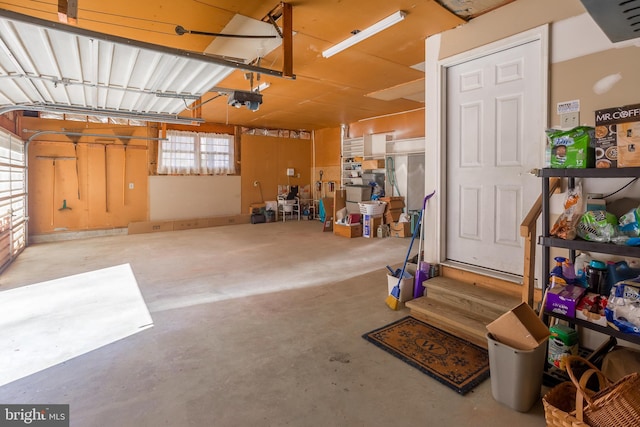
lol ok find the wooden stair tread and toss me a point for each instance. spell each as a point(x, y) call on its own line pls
point(494, 300)
point(461, 308)
point(445, 314)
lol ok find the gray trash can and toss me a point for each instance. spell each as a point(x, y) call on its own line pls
point(516, 375)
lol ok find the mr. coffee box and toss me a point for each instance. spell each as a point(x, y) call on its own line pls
point(618, 137)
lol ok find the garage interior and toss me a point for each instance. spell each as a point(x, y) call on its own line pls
point(245, 323)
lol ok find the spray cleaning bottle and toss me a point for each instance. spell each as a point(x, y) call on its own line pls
point(563, 273)
point(568, 271)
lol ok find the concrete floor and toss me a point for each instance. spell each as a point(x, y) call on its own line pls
point(254, 325)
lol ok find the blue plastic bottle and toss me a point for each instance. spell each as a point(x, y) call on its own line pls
point(580, 267)
point(617, 272)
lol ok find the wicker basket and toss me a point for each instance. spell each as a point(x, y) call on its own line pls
point(559, 403)
point(615, 405)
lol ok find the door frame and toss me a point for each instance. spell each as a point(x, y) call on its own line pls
point(436, 124)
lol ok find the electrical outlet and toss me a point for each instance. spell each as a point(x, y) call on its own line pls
point(569, 120)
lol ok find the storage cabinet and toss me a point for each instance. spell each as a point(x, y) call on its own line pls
point(547, 242)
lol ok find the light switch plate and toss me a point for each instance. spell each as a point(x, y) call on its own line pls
point(569, 120)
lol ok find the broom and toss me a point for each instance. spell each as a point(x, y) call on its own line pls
point(393, 300)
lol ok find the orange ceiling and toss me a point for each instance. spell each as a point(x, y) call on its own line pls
point(327, 91)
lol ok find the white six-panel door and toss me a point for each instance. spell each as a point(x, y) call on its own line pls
point(493, 134)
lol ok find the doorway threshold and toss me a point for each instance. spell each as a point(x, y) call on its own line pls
point(500, 275)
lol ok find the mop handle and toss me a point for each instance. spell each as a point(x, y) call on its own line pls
point(424, 204)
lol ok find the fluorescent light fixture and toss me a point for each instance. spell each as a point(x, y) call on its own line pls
point(365, 34)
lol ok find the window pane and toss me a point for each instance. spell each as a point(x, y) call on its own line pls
point(196, 153)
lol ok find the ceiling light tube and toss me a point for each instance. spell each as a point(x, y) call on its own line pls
point(365, 34)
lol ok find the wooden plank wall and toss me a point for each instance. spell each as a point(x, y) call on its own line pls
point(101, 183)
point(265, 159)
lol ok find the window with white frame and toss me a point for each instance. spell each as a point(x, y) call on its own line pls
point(196, 153)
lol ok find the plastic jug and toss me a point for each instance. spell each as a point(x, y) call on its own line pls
point(617, 272)
point(562, 343)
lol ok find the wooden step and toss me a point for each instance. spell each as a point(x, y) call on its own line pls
point(480, 301)
point(461, 323)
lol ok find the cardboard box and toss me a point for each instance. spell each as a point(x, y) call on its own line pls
point(188, 224)
point(396, 202)
point(370, 225)
point(520, 328)
point(149, 227)
point(327, 206)
point(617, 137)
point(358, 193)
point(344, 230)
point(339, 201)
point(392, 215)
point(606, 147)
point(400, 229)
point(352, 207)
point(373, 164)
point(218, 221)
point(564, 299)
point(628, 144)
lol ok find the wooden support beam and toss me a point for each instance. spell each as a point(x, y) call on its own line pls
point(68, 11)
point(287, 41)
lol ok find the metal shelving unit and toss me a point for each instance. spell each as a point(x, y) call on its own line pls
point(547, 242)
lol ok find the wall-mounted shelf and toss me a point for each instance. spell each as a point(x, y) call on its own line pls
point(583, 245)
point(352, 148)
point(590, 173)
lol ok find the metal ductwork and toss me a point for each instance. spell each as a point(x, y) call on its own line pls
point(618, 19)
